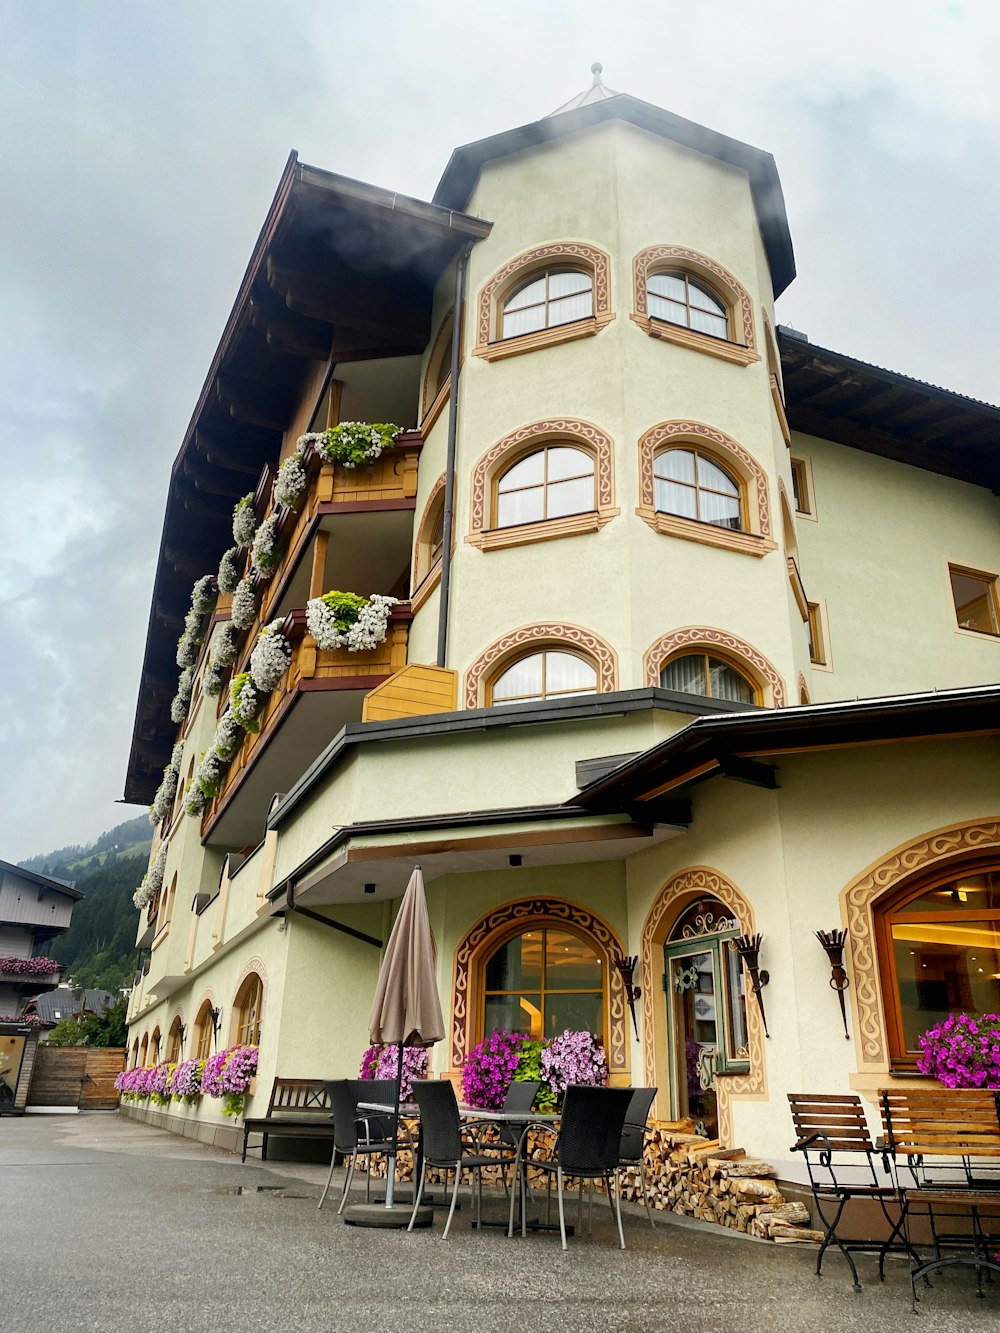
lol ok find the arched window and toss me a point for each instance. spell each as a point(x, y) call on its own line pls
point(542, 982)
point(437, 377)
point(135, 1053)
point(552, 297)
point(144, 1050)
point(678, 298)
point(203, 1032)
point(168, 904)
point(551, 674)
point(154, 1047)
point(939, 953)
point(691, 484)
point(551, 482)
point(247, 1006)
point(714, 677)
point(175, 1040)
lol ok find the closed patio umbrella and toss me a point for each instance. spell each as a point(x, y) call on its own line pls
point(407, 1008)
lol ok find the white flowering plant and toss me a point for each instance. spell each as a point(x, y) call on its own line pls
point(271, 657)
point(163, 801)
point(345, 620)
point(264, 553)
point(244, 604)
point(244, 521)
point(226, 644)
point(181, 700)
point(213, 680)
point(187, 649)
point(291, 483)
point(195, 800)
point(228, 736)
point(152, 880)
point(245, 701)
point(229, 570)
point(352, 443)
point(208, 773)
point(203, 596)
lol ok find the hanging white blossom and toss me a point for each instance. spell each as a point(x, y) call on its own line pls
point(229, 570)
point(334, 622)
point(203, 596)
point(225, 645)
point(264, 552)
point(187, 650)
point(291, 483)
point(271, 656)
point(195, 799)
point(208, 773)
point(177, 756)
point(246, 701)
point(244, 521)
point(353, 443)
point(244, 604)
point(178, 709)
point(213, 679)
point(228, 736)
point(152, 880)
point(185, 688)
point(163, 801)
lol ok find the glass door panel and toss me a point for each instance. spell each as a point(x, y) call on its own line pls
point(695, 1025)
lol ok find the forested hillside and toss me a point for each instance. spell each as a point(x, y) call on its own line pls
point(99, 947)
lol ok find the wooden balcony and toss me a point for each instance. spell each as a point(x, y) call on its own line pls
point(320, 692)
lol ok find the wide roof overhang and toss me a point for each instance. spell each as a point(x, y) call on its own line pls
point(747, 746)
point(838, 397)
point(341, 271)
point(465, 164)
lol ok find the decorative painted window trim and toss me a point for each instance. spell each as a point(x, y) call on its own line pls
point(951, 844)
point(431, 408)
point(804, 699)
point(546, 634)
point(703, 637)
point(801, 464)
point(754, 501)
point(658, 257)
point(668, 905)
point(818, 623)
point(492, 347)
point(428, 575)
point(489, 931)
point(580, 434)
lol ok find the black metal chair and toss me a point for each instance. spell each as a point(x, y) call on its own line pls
point(634, 1139)
point(443, 1146)
point(587, 1147)
point(358, 1135)
point(843, 1165)
point(520, 1097)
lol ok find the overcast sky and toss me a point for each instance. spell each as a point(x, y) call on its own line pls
point(140, 145)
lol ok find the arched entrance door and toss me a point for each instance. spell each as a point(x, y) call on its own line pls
point(706, 1010)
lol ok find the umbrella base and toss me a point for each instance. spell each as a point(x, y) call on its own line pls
point(377, 1215)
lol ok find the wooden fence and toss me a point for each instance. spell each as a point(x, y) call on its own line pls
point(82, 1076)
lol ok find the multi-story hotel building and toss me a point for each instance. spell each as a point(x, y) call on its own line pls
point(696, 637)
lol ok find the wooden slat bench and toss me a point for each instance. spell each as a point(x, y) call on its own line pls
point(299, 1109)
point(946, 1146)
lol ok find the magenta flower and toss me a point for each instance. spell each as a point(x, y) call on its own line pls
point(963, 1051)
point(490, 1068)
point(383, 1062)
point(575, 1057)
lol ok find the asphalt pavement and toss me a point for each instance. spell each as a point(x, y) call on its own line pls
point(111, 1226)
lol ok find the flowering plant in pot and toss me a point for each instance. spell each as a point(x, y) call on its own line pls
point(352, 443)
point(291, 483)
point(185, 1082)
point(152, 880)
point(574, 1057)
point(264, 553)
point(245, 701)
point(28, 967)
point(244, 609)
point(963, 1051)
point(182, 699)
point(271, 657)
point(383, 1062)
point(244, 521)
point(227, 1074)
point(226, 643)
point(346, 620)
point(229, 570)
point(159, 1084)
point(163, 801)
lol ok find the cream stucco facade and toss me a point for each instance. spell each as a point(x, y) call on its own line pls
point(772, 811)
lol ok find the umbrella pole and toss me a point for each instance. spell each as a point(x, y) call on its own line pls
point(391, 1173)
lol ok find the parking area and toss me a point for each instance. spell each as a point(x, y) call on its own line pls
point(110, 1225)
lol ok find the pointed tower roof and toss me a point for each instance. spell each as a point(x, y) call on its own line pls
point(597, 92)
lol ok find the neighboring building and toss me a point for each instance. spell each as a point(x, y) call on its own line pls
point(718, 654)
point(68, 1002)
point(34, 909)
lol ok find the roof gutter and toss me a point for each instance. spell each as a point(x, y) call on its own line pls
point(449, 467)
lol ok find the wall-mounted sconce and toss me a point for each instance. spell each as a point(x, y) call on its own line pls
point(625, 967)
point(748, 948)
point(216, 1022)
point(182, 1032)
point(833, 942)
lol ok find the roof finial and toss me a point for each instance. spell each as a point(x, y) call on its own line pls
point(597, 69)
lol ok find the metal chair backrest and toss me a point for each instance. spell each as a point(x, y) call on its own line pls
point(380, 1091)
point(440, 1121)
point(345, 1131)
point(519, 1097)
point(832, 1133)
point(636, 1119)
point(590, 1133)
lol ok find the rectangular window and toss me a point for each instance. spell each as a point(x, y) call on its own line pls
point(817, 639)
point(975, 598)
point(801, 489)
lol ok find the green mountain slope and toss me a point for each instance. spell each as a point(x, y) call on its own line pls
point(99, 947)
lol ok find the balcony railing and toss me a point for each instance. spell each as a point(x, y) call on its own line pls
point(313, 669)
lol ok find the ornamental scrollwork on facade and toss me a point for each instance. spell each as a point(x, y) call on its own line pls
point(660, 256)
point(704, 636)
point(728, 448)
point(595, 261)
point(595, 647)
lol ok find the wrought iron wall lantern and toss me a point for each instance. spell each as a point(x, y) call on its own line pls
point(216, 1022)
point(833, 942)
point(748, 948)
point(625, 966)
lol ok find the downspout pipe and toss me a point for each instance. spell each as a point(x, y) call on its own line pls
point(449, 474)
